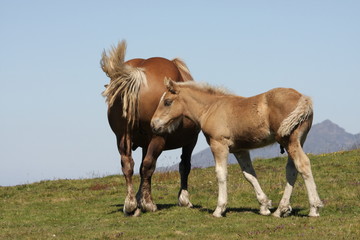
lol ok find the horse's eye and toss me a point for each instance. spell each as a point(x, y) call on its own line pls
point(167, 102)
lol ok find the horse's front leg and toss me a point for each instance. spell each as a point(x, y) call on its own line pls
point(154, 149)
point(220, 152)
point(184, 169)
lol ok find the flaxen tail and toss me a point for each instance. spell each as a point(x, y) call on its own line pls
point(184, 70)
point(125, 81)
point(302, 112)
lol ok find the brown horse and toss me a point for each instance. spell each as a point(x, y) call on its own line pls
point(236, 124)
point(132, 95)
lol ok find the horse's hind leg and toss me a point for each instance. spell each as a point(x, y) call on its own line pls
point(284, 208)
point(147, 168)
point(184, 169)
point(127, 163)
point(245, 163)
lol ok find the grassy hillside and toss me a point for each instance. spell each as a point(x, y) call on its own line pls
point(92, 209)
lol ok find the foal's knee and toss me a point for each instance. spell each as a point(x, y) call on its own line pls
point(221, 175)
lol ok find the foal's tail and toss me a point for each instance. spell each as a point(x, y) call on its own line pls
point(183, 69)
point(125, 81)
point(302, 112)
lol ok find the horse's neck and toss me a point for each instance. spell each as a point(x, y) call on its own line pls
point(197, 104)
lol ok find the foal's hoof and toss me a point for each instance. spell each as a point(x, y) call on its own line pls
point(265, 212)
point(264, 208)
point(219, 212)
point(314, 211)
point(314, 214)
point(282, 211)
point(218, 215)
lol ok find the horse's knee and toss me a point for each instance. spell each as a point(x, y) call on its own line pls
point(127, 164)
point(148, 167)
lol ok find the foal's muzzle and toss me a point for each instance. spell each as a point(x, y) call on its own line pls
point(156, 126)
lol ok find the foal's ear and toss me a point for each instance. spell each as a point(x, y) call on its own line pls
point(170, 85)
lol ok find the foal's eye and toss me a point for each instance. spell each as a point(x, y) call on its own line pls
point(167, 102)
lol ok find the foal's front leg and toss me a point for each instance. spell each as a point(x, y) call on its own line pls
point(220, 152)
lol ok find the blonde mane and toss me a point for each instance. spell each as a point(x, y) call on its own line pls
point(205, 87)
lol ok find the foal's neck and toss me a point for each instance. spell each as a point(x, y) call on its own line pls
point(198, 103)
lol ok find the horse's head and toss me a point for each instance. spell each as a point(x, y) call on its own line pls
point(169, 113)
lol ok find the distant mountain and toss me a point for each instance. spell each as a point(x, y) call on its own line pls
point(324, 137)
point(328, 137)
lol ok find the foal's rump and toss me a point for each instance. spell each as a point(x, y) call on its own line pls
point(288, 108)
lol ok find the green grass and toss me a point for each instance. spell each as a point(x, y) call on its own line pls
point(92, 209)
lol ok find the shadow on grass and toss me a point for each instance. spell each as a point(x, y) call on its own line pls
point(295, 211)
point(228, 210)
point(160, 207)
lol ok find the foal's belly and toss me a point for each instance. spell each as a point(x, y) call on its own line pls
point(251, 142)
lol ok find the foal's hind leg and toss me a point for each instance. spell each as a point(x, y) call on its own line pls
point(147, 168)
point(284, 208)
point(184, 169)
point(302, 164)
point(245, 163)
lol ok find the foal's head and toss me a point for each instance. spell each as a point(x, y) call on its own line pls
point(169, 113)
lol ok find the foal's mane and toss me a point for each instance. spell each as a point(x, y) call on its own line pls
point(206, 88)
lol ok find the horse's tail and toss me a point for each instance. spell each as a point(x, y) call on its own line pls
point(302, 112)
point(183, 69)
point(125, 81)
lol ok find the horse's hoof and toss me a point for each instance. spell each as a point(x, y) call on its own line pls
point(148, 206)
point(184, 199)
point(137, 212)
point(130, 206)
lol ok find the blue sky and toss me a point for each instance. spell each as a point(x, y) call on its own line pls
point(53, 118)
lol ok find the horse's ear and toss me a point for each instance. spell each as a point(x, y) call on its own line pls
point(170, 85)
